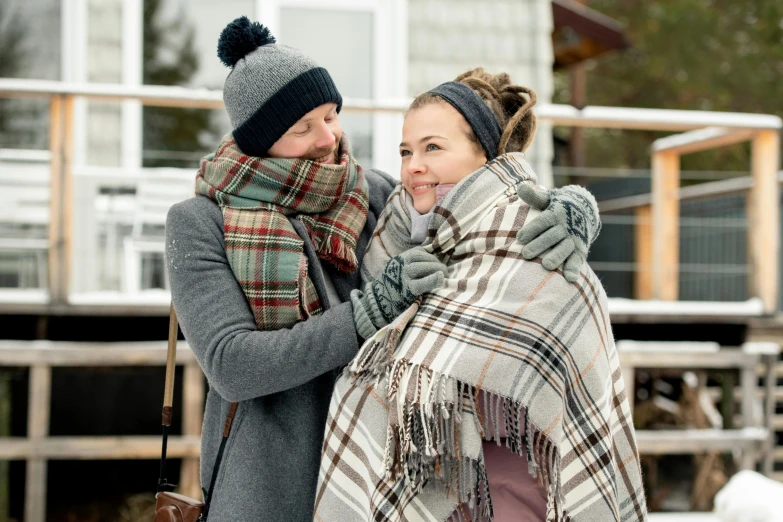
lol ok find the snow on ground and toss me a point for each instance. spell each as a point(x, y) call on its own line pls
point(750, 497)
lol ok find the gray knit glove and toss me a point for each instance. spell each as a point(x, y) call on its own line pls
point(404, 278)
point(565, 229)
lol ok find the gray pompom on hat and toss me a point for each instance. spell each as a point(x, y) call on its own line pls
point(270, 86)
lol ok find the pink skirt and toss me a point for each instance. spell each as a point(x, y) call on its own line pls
point(516, 495)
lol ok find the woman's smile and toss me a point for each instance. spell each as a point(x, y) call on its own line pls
point(419, 187)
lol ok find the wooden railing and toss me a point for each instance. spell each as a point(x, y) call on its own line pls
point(658, 242)
point(657, 233)
point(656, 262)
point(39, 447)
point(753, 438)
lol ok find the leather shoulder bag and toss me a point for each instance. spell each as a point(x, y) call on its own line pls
point(170, 506)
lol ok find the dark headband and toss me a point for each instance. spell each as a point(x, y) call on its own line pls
point(479, 116)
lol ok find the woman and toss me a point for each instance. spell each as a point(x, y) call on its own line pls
point(504, 351)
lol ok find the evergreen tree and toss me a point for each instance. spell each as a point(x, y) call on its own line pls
point(12, 55)
point(717, 55)
point(170, 58)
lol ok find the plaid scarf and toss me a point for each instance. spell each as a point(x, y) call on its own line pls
point(404, 435)
point(265, 253)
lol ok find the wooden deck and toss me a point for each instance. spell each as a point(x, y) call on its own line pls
point(684, 517)
point(38, 448)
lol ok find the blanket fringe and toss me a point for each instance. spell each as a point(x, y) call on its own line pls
point(423, 436)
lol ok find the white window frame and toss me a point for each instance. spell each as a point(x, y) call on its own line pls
point(73, 61)
point(74, 34)
point(390, 62)
point(132, 75)
point(389, 82)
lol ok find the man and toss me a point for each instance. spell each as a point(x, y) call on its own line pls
point(263, 263)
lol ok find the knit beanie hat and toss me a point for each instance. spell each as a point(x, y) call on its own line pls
point(270, 86)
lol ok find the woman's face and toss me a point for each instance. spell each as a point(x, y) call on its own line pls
point(435, 150)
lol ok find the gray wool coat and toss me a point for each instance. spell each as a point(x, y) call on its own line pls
point(282, 378)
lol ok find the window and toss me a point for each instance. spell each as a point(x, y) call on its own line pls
point(340, 41)
point(363, 45)
point(30, 46)
point(179, 48)
point(30, 49)
point(118, 247)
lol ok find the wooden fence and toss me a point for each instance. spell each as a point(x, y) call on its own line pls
point(38, 447)
point(752, 437)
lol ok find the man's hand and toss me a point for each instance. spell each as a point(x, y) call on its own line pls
point(565, 229)
point(404, 278)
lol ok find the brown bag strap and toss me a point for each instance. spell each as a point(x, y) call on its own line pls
point(171, 358)
point(168, 399)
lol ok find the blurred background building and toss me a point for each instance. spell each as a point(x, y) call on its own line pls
point(375, 49)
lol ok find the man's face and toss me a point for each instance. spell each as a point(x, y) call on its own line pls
point(316, 137)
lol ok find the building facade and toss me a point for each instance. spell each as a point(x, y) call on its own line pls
point(378, 50)
point(375, 49)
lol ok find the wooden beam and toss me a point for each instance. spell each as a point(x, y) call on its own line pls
point(556, 114)
point(686, 361)
point(61, 196)
point(684, 517)
point(652, 119)
point(688, 441)
point(701, 139)
point(685, 355)
point(710, 190)
point(629, 380)
point(5, 431)
point(770, 392)
point(748, 384)
point(98, 448)
point(578, 83)
point(56, 140)
point(37, 429)
point(192, 417)
point(665, 225)
point(62, 353)
point(643, 248)
point(763, 210)
point(11, 305)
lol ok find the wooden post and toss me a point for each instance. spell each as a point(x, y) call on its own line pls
point(665, 224)
point(629, 379)
point(769, 412)
point(643, 246)
point(748, 385)
point(5, 431)
point(192, 417)
point(61, 196)
point(578, 83)
point(37, 430)
point(763, 210)
point(727, 406)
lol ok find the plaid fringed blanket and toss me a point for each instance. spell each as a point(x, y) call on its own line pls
point(404, 433)
point(265, 253)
